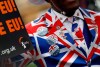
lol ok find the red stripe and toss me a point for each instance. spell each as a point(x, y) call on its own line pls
point(64, 43)
point(98, 23)
point(98, 51)
point(48, 17)
point(91, 53)
point(65, 60)
point(92, 12)
point(28, 26)
point(32, 52)
point(79, 33)
point(76, 43)
point(88, 20)
point(26, 61)
point(32, 29)
point(41, 63)
point(54, 28)
point(43, 19)
point(37, 53)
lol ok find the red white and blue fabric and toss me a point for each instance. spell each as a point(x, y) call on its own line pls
point(22, 60)
point(70, 54)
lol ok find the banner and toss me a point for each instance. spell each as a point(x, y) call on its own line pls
point(13, 36)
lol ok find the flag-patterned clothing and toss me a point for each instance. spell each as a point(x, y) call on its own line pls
point(70, 51)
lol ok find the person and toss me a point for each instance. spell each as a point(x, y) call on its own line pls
point(65, 36)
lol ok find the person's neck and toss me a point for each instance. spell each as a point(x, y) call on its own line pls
point(68, 13)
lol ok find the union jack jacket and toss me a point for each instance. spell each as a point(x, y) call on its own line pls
point(52, 48)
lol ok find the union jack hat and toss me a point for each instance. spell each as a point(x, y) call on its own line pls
point(38, 2)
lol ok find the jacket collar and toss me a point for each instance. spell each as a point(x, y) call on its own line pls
point(52, 16)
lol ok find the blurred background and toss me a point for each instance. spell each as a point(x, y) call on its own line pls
point(29, 11)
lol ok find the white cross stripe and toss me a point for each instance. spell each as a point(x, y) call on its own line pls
point(62, 59)
point(48, 54)
point(38, 49)
point(71, 60)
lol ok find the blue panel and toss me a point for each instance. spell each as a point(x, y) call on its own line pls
point(69, 38)
point(53, 61)
point(79, 62)
point(95, 60)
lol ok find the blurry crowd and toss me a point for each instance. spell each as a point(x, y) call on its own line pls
point(90, 4)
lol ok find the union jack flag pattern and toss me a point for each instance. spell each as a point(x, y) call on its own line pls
point(69, 53)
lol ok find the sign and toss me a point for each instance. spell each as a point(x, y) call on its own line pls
point(13, 36)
